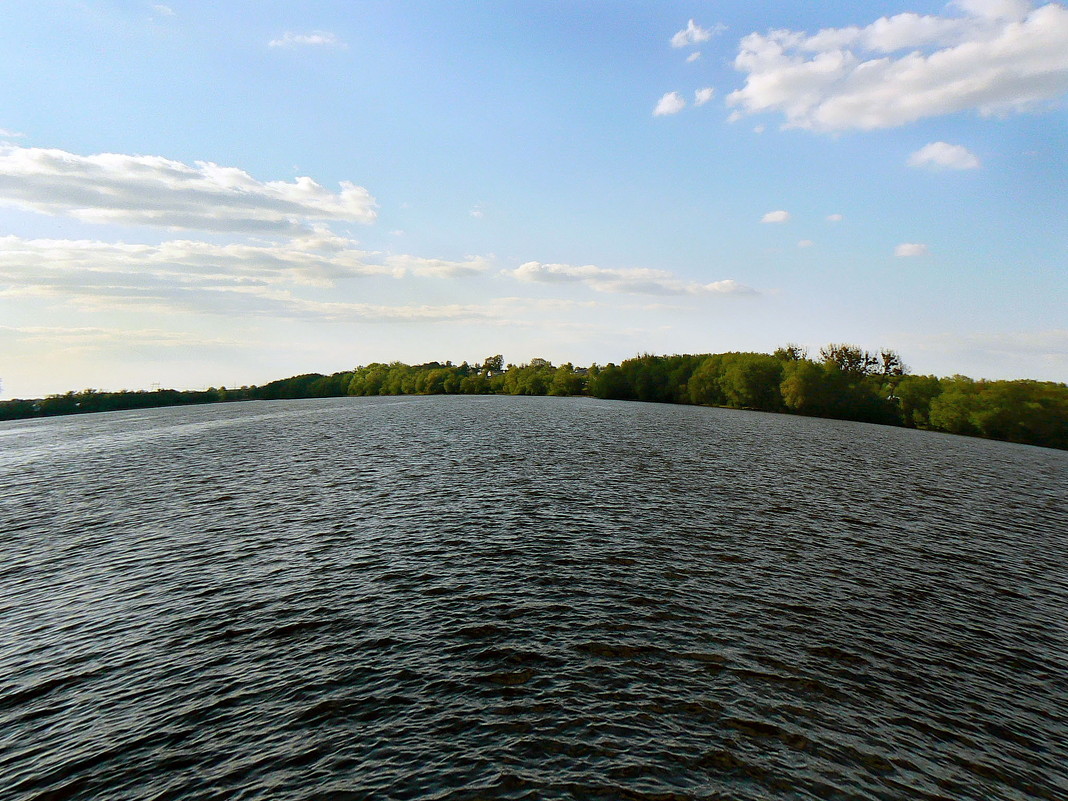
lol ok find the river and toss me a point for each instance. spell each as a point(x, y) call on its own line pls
point(512, 598)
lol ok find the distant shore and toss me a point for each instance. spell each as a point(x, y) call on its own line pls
point(844, 383)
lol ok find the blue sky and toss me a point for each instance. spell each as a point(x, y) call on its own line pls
point(197, 194)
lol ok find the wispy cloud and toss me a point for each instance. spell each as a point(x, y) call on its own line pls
point(202, 278)
point(997, 56)
point(834, 218)
point(291, 39)
point(670, 103)
point(6, 134)
point(107, 338)
point(694, 34)
point(634, 281)
point(206, 278)
point(162, 10)
point(694, 56)
point(159, 192)
point(944, 155)
point(1041, 354)
point(439, 268)
point(370, 312)
point(779, 216)
point(320, 260)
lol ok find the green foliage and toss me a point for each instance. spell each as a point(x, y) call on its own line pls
point(298, 386)
point(790, 353)
point(529, 379)
point(567, 382)
point(704, 386)
point(610, 383)
point(952, 409)
point(915, 393)
point(805, 389)
point(751, 381)
point(848, 359)
point(738, 380)
point(858, 385)
point(18, 409)
point(91, 400)
point(1030, 412)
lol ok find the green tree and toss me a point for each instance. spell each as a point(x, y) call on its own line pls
point(610, 382)
point(790, 353)
point(915, 393)
point(953, 409)
point(566, 381)
point(751, 381)
point(804, 388)
point(705, 387)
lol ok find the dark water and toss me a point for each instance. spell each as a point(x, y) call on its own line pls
point(483, 598)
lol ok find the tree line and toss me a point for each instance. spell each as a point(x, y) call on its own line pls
point(843, 382)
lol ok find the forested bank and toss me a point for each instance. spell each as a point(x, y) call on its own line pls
point(842, 382)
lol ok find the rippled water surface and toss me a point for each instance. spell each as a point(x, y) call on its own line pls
point(490, 598)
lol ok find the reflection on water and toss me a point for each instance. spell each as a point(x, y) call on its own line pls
point(465, 598)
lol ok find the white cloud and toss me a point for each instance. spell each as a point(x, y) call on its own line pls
point(694, 56)
point(834, 218)
point(694, 34)
point(805, 243)
point(202, 277)
point(162, 10)
point(775, 217)
point(313, 39)
point(943, 154)
point(477, 212)
point(997, 57)
point(634, 281)
point(908, 249)
point(155, 191)
point(670, 103)
point(318, 260)
point(702, 96)
point(6, 134)
point(438, 268)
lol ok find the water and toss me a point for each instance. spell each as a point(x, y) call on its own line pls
point(498, 598)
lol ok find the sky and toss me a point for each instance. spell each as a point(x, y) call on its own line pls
point(199, 194)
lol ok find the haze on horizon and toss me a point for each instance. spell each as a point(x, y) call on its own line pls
point(197, 194)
